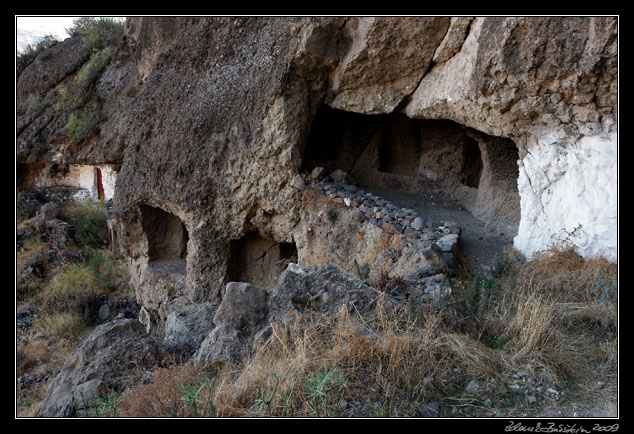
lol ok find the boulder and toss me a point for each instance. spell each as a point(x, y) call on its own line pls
point(100, 363)
point(321, 288)
point(186, 328)
point(247, 311)
point(239, 317)
point(342, 177)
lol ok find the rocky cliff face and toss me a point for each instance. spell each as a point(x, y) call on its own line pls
point(215, 123)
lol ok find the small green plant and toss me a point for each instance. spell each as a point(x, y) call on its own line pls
point(488, 286)
point(467, 300)
point(36, 104)
point(324, 391)
point(82, 125)
point(331, 215)
point(264, 399)
point(75, 94)
point(191, 397)
point(102, 406)
point(275, 405)
point(285, 407)
point(111, 273)
point(78, 279)
point(23, 210)
point(64, 95)
point(68, 325)
point(90, 221)
point(381, 409)
point(74, 291)
point(363, 271)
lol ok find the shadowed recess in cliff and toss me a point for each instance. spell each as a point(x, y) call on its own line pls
point(393, 152)
point(259, 260)
point(166, 237)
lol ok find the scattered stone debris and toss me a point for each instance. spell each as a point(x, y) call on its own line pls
point(387, 216)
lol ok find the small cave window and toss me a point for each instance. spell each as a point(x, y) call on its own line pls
point(166, 235)
point(471, 164)
point(259, 260)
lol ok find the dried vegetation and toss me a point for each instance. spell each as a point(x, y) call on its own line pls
point(541, 318)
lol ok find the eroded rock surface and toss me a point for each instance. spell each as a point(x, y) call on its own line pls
point(99, 365)
point(207, 121)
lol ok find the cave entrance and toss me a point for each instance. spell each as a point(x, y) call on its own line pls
point(394, 151)
point(439, 168)
point(259, 260)
point(167, 238)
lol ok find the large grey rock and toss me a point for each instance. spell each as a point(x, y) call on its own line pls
point(186, 328)
point(239, 317)
point(100, 363)
point(320, 288)
point(247, 311)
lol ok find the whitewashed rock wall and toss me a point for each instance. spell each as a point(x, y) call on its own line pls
point(82, 177)
point(569, 194)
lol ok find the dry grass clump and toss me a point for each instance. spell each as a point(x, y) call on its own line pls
point(391, 363)
point(161, 397)
point(352, 365)
point(564, 275)
point(554, 312)
point(315, 365)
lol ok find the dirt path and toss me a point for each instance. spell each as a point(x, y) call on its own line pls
point(480, 248)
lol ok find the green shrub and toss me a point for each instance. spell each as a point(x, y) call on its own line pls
point(98, 32)
point(93, 68)
point(75, 291)
point(74, 283)
point(467, 298)
point(61, 324)
point(101, 406)
point(363, 271)
point(90, 221)
point(81, 126)
point(23, 210)
point(111, 273)
point(75, 94)
point(36, 104)
point(324, 391)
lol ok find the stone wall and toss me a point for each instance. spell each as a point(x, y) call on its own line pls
point(348, 226)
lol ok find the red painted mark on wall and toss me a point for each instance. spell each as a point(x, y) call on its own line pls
point(100, 193)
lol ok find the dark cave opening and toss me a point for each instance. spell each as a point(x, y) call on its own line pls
point(472, 165)
point(258, 260)
point(393, 152)
point(166, 234)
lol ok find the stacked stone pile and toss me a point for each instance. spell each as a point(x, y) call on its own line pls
point(385, 215)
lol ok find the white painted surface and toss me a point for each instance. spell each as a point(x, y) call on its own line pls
point(84, 177)
point(109, 179)
point(564, 187)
